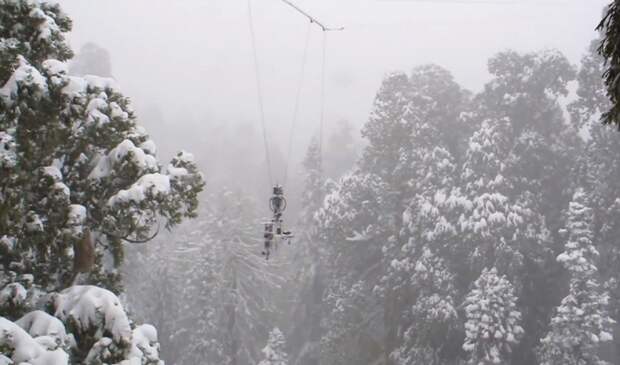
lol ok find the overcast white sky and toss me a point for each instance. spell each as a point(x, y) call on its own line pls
point(193, 59)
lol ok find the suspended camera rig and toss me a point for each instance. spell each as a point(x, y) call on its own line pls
point(274, 232)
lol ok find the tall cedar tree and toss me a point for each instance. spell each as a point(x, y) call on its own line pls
point(74, 161)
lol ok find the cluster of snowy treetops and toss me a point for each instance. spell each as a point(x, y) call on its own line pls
point(473, 229)
point(79, 180)
point(477, 228)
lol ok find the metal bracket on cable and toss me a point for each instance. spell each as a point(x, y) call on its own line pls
point(313, 19)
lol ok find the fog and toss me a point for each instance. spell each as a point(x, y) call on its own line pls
point(460, 205)
point(192, 59)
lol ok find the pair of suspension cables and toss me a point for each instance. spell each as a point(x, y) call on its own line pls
point(325, 29)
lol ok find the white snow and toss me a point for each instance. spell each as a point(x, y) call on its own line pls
point(144, 344)
point(34, 223)
point(102, 83)
point(185, 156)
point(7, 242)
point(117, 112)
point(53, 172)
point(79, 86)
point(8, 157)
point(13, 293)
point(47, 25)
point(55, 67)
point(149, 184)
point(176, 171)
point(39, 323)
point(27, 350)
point(25, 75)
point(91, 306)
point(76, 86)
point(77, 215)
point(105, 164)
point(62, 188)
point(148, 146)
point(96, 109)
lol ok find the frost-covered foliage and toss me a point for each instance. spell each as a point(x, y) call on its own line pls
point(599, 173)
point(449, 185)
point(79, 179)
point(494, 225)
point(307, 278)
point(230, 293)
point(492, 329)
point(275, 351)
point(18, 346)
point(433, 317)
point(74, 159)
point(581, 322)
point(453, 183)
point(87, 325)
point(313, 192)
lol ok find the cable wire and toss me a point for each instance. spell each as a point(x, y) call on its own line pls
point(297, 102)
point(259, 91)
point(322, 118)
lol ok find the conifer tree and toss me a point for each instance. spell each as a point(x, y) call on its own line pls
point(275, 351)
point(388, 127)
point(308, 276)
point(354, 225)
point(599, 171)
point(493, 327)
point(494, 225)
point(313, 193)
point(581, 323)
point(78, 181)
point(609, 51)
point(433, 317)
point(75, 162)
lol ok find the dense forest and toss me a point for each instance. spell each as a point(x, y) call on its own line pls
point(471, 228)
point(455, 227)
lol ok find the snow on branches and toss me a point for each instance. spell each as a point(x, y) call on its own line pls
point(86, 322)
point(493, 326)
point(74, 158)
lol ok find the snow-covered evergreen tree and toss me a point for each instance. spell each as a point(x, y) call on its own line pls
point(275, 351)
point(581, 323)
point(230, 293)
point(78, 180)
point(82, 325)
point(313, 193)
point(75, 161)
point(307, 263)
point(493, 328)
point(341, 147)
point(388, 127)
point(353, 224)
point(433, 317)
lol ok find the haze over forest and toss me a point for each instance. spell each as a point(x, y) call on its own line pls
point(192, 61)
point(223, 182)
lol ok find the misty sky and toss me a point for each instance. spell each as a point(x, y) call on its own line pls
point(192, 58)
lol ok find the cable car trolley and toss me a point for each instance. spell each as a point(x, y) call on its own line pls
point(274, 232)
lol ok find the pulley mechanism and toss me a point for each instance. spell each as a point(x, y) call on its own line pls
point(274, 233)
